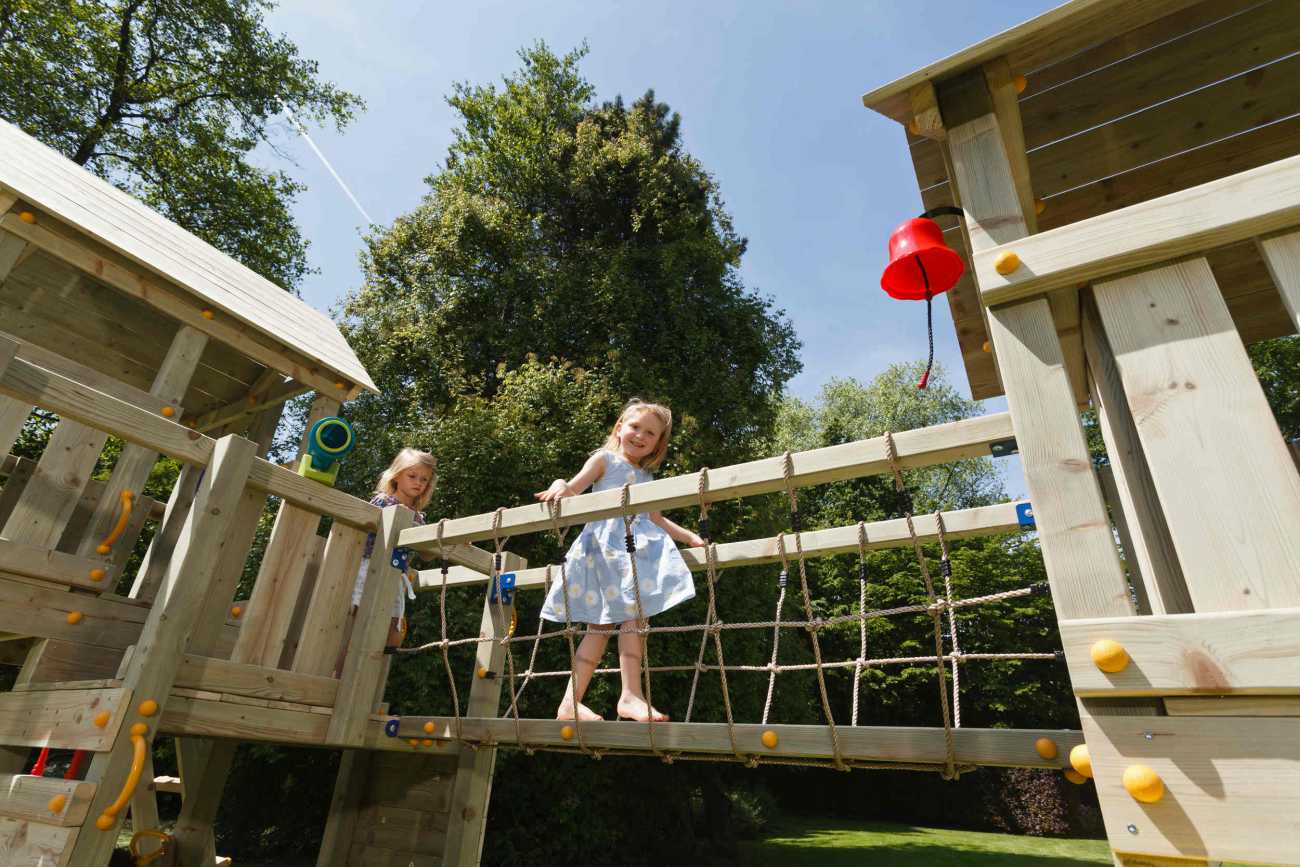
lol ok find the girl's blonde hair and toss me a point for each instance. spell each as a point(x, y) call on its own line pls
point(651, 461)
point(407, 458)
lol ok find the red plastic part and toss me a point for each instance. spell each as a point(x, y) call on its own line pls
point(920, 263)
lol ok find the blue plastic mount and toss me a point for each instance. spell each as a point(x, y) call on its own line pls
point(390, 727)
point(505, 585)
point(1025, 514)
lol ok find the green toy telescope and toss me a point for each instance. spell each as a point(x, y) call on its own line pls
point(328, 442)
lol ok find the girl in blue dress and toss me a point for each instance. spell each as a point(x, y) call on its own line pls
point(597, 569)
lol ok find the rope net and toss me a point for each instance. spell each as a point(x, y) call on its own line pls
point(940, 605)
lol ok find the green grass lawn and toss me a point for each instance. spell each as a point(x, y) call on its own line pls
point(840, 844)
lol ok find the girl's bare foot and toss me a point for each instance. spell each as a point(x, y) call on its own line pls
point(585, 714)
point(634, 708)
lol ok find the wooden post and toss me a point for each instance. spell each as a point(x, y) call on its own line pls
point(131, 471)
point(365, 663)
point(336, 842)
point(472, 790)
point(1152, 551)
point(1225, 479)
point(1282, 255)
point(1110, 493)
point(327, 615)
point(152, 668)
point(13, 413)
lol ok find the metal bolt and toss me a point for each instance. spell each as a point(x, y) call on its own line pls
point(1148, 735)
point(1132, 829)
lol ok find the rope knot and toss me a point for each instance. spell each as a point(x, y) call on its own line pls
point(715, 627)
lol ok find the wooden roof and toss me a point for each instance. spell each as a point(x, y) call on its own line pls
point(1123, 102)
point(173, 277)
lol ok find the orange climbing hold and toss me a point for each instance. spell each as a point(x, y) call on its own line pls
point(1143, 783)
point(428, 728)
point(1109, 656)
point(57, 803)
point(1046, 747)
point(148, 707)
point(73, 618)
point(101, 719)
point(1075, 777)
point(97, 574)
point(1081, 761)
point(27, 217)
point(770, 739)
point(566, 732)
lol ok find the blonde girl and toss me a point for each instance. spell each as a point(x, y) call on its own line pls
point(409, 481)
point(598, 569)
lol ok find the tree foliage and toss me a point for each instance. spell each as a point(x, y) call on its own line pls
point(167, 100)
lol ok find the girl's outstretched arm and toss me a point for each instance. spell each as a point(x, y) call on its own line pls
point(677, 532)
point(592, 470)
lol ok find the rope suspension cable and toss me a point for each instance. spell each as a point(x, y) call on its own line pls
point(813, 625)
point(905, 506)
point(781, 582)
point(442, 613)
point(553, 507)
point(500, 594)
point(945, 565)
point(642, 627)
point(862, 618)
point(704, 633)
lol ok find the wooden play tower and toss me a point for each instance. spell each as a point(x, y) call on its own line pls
point(1131, 222)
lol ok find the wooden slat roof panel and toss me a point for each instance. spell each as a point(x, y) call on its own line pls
point(122, 223)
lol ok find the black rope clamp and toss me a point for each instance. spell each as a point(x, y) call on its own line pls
point(629, 542)
point(795, 523)
point(704, 530)
point(1040, 588)
point(783, 579)
point(905, 502)
point(445, 568)
point(496, 562)
point(945, 567)
point(862, 571)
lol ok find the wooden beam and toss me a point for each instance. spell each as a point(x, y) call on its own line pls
point(995, 747)
point(1235, 208)
point(1226, 482)
point(150, 573)
point(1155, 562)
point(1110, 493)
point(153, 666)
point(926, 119)
point(364, 664)
point(256, 401)
point(256, 681)
point(327, 614)
point(943, 443)
point(27, 842)
point(42, 611)
point(336, 842)
point(1233, 705)
point(958, 524)
point(1282, 255)
point(1223, 780)
point(1238, 652)
point(55, 566)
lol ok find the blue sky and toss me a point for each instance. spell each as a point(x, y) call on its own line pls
point(769, 94)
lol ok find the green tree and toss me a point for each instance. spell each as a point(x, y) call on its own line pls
point(562, 228)
point(167, 100)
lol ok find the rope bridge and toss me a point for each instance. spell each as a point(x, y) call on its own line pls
point(805, 745)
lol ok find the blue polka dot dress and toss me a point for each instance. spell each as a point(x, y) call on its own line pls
point(599, 577)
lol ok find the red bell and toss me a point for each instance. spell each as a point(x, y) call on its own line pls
point(920, 265)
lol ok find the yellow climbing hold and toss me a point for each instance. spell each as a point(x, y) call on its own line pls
point(101, 719)
point(1046, 747)
point(428, 742)
point(986, 346)
point(1081, 761)
point(235, 611)
point(140, 729)
point(208, 314)
point(428, 728)
point(1075, 777)
point(1006, 262)
point(105, 821)
point(1109, 656)
point(57, 803)
point(167, 411)
point(770, 739)
point(27, 217)
point(148, 707)
point(97, 574)
point(1021, 83)
point(482, 673)
point(1144, 784)
point(73, 618)
point(566, 732)
point(415, 742)
point(1039, 206)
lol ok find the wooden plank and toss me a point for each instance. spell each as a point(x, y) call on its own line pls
point(59, 663)
point(265, 629)
point(893, 533)
point(13, 415)
point(1173, 173)
point(1282, 254)
point(53, 361)
point(1155, 562)
point(47, 502)
point(1057, 33)
point(1239, 652)
point(363, 855)
point(34, 843)
point(219, 675)
point(1181, 62)
point(313, 496)
point(916, 448)
point(364, 665)
point(29, 798)
point(1236, 208)
point(54, 566)
point(153, 666)
point(1233, 705)
point(926, 119)
point(401, 828)
point(1208, 435)
point(1224, 781)
point(149, 575)
point(1194, 119)
point(345, 804)
point(198, 717)
point(42, 611)
point(62, 719)
point(327, 614)
point(995, 747)
point(1110, 493)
